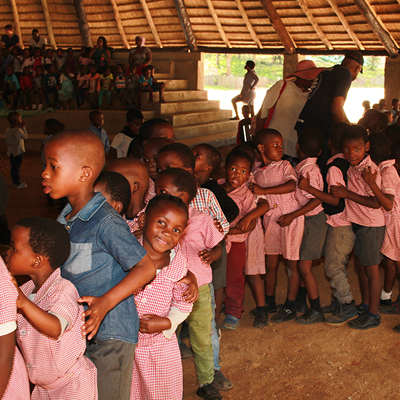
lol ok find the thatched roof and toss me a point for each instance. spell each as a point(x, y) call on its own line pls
point(303, 26)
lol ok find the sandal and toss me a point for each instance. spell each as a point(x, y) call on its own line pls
point(230, 322)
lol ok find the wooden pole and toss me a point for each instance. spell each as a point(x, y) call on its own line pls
point(377, 26)
point(280, 29)
point(314, 24)
point(248, 24)
point(218, 23)
point(345, 24)
point(83, 23)
point(119, 24)
point(151, 23)
point(16, 22)
point(49, 24)
point(186, 25)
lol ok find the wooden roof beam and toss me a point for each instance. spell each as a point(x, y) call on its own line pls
point(49, 25)
point(345, 24)
point(151, 23)
point(186, 25)
point(16, 22)
point(314, 24)
point(377, 26)
point(281, 31)
point(83, 23)
point(248, 24)
point(119, 24)
point(219, 26)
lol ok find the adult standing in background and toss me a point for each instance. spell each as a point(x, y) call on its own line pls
point(140, 56)
point(9, 40)
point(37, 41)
point(100, 54)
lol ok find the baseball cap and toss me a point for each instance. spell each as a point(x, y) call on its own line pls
point(356, 56)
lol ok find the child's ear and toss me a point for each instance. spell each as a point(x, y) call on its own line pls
point(297, 147)
point(37, 261)
point(367, 146)
point(86, 174)
point(118, 206)
point(142, 220)
point(260, 148)
point(136, 187)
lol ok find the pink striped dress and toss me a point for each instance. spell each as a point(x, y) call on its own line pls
point(157, 369)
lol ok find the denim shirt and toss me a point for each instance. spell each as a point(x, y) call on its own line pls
point(103, 250)
point(102, 134)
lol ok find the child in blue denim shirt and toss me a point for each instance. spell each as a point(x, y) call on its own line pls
point(106, 264)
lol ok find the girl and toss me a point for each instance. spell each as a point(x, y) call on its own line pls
point(66, 94)
point(93, 87)
point(71, 61)
point(157, 369)
point(83, 84)
point(84, 58)
point(106, 83)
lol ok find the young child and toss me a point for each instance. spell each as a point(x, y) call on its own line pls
point(83, 85)
point(119, 83)
point(50, 319)
point(97, 120)
point(59, 59)
point(94, 87)
point(15, 136)
point(84, 59)
point(107, 85)
point(12, 87)
point(363, 211)
point(26, 60)
point(26, 84)
point(37, 59)
point(145, 85)
point(66, 92)
point(243, 134)
point(14, 383)
point(74, 160)
point(157, 86)
point(275, 180)
point(70, 61)
point(50, 80)
point(157, 370)
point(38, 87)
point(50, 58)
point(200, 246)
point(150, 154)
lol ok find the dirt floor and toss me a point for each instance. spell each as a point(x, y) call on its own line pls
point(282, 361)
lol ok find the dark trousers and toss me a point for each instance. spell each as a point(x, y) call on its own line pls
point(80, 96)
point(15, 166)
point(48, 90)
point(15, 97)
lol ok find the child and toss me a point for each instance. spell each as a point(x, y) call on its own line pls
point(11, 87)
point(200, 246)
point(66, 93)
point(50, 58)
point(116, 189)
point(70, 61)
point(106, 84)
point(50, 319)
point(50, 80)
point(26, 60)
point(97, 120)
point(275, 180)
point(83, 84)
point(38, 87)
point(309, 147)
point(119, 83)
point(15, 136)
point(83, 58)
point(59, 59)
point(363, 211)
point(131, 86)
point(94, 87)
point(37, 60)
point(145, 85)
point(26, 84)
point(157, 370)
point(150, 154)
point(157, 86)
point(121, 266)
point(243, 134)
point(248, 94)
point(122, 140)
point(395, 110)
point(16, 51)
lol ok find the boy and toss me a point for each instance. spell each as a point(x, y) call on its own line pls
point(97, 120)
point(11, 86)
point(49, 319)
point(106, 269)
point(50, 83)
point(150, 154)
point(15, 136)
point(248, 94)
point(145, 85)
point(157, 86)
point(243, 134)
point(363, 211)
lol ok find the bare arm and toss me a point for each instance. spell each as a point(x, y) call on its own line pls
point(261, 209)
point(149, 57)
point(304, 184)
point(287, 219)
point(287, 187)
point(337, 110)
point(7, 350)
point(344, 193)
point(385, 200)
point(237, 231)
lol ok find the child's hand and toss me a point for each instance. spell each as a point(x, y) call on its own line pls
point(218, 226)
point(369, 176)
point(285, 220)
point(339, 191)
point(153, 324)
point(192, 292)
point(206, 256)
point(304, 183)
point(98, 308)
point(244, 223)
point(255, 189)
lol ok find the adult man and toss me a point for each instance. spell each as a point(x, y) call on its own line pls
point(325, 104)
point(9, 39)
point(37, 41)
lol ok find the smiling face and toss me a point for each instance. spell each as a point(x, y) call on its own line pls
point(163, 228)
point(237, 172)
point(354, 151)
point(20, 257)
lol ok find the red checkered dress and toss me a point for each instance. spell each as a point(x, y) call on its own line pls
point(18, 384)
point(157, 370)
point(58, 368)
point(391, 185)
point(150, 192)
point(134, 223)
point(354, 212)
point(277, 240)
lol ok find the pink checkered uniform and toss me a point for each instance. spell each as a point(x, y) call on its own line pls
point(150, 192)
point(357, 213)
point(200, 233)
point(309, 169)
point(157, 370)
point(335, 177)
point(277, 240)
point(18, 384)
point(134, 223)
point(391, 185)
point(58, 368)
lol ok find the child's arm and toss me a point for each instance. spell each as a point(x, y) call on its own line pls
point(209, 256)
point(261, 209)
point(154, 324)
point(7, 350)
point(191, 294)
point(287, 187)
point(139, 275)
point(304, 184)
point(385, 200)
point(344, 193)
point(286, 220)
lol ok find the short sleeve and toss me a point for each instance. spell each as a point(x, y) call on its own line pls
point(334, 177)
point(390, 180)
point(288, 172)
point(212, 236)
point(117, 141)
point(270, 98)
point(8, 296)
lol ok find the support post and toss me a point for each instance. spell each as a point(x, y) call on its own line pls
point(83, 23)
point(392, 82)
point(49, 25)
point(186, 25)
point(289, 63)
point(16, 22)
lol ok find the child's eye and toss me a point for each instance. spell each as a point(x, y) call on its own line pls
point(244, 172)
point(176, 230)
point(162, 223)
point(346, 150)
point(162, 191)
point(53, 167)
point(145, 159)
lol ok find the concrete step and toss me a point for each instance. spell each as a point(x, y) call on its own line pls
point(172, 96)
point(215, 139)
point(176, 84)
point(185, 106)
point(183, 132)
point(198, 117)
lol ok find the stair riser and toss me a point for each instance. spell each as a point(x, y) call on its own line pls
point(189, 131)
point(169, 108)
point(199, 118)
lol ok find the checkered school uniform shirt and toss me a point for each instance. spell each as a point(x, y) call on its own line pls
point(357, 213)
point(309, 169)
point(150, 192)
point(18, 384)
point(134, 223)
point(206, 201)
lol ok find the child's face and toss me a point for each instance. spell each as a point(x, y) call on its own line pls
point(165, 185)
point(20, 257)
point(100, 188)
point(200, 154)
point(93, 70)
point(60, 53)
point(237, 172)
point(26, 71)
point(354, 151)
point(135, 125)
point(106, 72)
point(39, 71)
point(62, 175)
point(146, 73)
point(26, 53)
point(9, 71)
point(119, 69)
point(18, 120)
point(52, 69)
point(149, 159)
point(272, 149)
point(168, 159)
point(98, 120)
point(38, 53)
point(163, 227)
